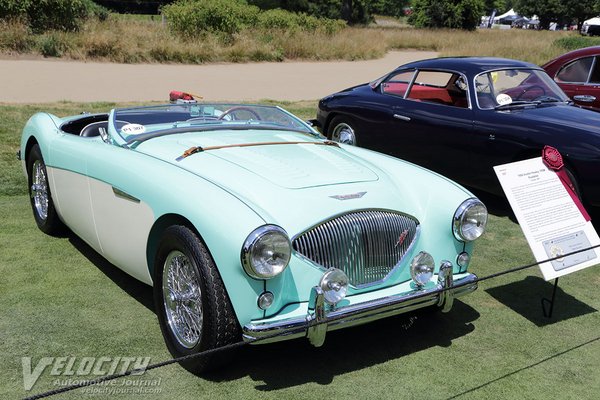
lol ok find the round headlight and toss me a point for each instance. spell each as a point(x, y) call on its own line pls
point(469, 220)
point(334, 284)
point(266, 252)
point(463, 259)
point(265, 300)
point(421, 268)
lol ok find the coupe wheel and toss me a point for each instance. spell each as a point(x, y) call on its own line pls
point(194, 311)
point(42, 205)
point(342, 130)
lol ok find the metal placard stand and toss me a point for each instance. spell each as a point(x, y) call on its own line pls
point(548, 304)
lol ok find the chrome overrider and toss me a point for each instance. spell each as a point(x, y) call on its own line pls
point(321, 318)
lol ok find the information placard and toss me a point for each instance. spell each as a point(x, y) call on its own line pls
point(551, 221)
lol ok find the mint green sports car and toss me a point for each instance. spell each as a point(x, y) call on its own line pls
point(248, 224)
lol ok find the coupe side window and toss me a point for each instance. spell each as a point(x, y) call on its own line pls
point(398, 83)
point(439, 87)
point(595, 75)
point(575, 72)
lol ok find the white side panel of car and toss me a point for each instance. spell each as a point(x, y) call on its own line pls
point(71, 195)
point(123, 226)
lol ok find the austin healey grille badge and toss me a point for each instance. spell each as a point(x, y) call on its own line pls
point(401, 238)
point(348, 196)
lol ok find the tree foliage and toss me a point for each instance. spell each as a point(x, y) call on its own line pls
point(394, 8)
point(561, 11)
point(454, 14)
point(44, 15)
point(352, 11)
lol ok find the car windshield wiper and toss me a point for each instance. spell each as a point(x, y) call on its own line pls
point(548, 99)
point(518, 103)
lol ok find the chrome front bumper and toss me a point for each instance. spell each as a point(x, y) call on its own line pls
point(321, 318)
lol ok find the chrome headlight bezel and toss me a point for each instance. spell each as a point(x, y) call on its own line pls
point(422, 268)
point(469, 221)
point(252, 245)
point(334, 284)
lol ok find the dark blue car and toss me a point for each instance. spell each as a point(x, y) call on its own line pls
point(462, 116)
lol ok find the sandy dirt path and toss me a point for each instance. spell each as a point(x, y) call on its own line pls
point(40, 81)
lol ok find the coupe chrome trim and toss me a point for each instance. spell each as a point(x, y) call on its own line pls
point(368, 245)
point(319, 319)
point(584, 98)
point(402, 117)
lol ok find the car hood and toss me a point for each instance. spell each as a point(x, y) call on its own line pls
point(286, 183)
point(291, 166)
point(560, 116)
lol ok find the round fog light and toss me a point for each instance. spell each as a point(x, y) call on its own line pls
point(334, 284)
point(421, 268)
point(463, 259)
point(265, 300)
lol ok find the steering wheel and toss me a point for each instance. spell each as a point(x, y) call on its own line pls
point(530, 88)
point(239, 108)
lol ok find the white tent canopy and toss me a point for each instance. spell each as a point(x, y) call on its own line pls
point(509, 13)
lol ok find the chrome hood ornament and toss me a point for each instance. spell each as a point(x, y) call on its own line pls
point(348, 196)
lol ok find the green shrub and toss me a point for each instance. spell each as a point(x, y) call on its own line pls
point(193, 17)
point(53, 45)
point(332, 26)
point(65, 15)
point(190, 18)
point(15, 36)
point(45, 15)
point(278, 19)
point(454, 14)
point(577, 42)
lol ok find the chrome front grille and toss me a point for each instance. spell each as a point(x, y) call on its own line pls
point(366, 245)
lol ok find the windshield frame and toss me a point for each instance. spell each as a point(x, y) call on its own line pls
point(558, 93)
point(163, 124)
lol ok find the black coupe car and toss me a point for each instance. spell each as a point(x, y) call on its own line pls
point(462, 116)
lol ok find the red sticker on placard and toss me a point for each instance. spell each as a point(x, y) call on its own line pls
point(554, 161)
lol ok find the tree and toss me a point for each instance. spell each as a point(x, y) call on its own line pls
point(455, 14)
point(580, 10)
point(352, 11)
point(561, 11)
point(394, 8)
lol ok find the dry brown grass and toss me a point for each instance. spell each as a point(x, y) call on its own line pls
point(129, 40)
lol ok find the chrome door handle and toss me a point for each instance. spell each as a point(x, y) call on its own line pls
point(402, 117)
point(585, 98)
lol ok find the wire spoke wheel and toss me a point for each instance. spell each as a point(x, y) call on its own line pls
point(40, 195)
point(182, 299)
point(39, 189)
point(193, 308)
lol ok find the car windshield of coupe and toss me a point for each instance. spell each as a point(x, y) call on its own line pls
point(143, 123)
point(507, 88)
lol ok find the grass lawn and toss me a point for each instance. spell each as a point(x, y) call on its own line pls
point(60, 299)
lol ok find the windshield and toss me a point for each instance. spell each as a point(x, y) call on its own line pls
point(506, 87)
point(143, 123)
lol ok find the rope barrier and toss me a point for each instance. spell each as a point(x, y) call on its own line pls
point(244, 343)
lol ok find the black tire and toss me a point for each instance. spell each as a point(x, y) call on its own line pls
point(217, 325)
point(342, 126)
point(40, 196)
